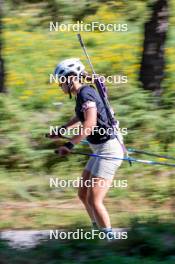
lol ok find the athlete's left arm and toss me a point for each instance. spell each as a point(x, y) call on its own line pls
point(90, 121)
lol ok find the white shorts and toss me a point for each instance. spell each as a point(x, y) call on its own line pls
point(105, 168)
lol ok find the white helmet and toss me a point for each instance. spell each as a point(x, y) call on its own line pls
point(67, 66)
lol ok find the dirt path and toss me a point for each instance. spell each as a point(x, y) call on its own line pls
point(64, 204)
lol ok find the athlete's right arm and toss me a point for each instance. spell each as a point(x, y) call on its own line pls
point(73, 122)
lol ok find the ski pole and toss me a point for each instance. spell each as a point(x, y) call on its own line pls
point(149, 162)
point(132, 150)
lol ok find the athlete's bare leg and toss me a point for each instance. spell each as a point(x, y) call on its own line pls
point(83, 193)
point(96, 195)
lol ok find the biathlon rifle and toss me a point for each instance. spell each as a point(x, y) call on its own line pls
point(102, 90)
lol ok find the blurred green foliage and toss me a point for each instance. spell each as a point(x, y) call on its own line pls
point(27, 160)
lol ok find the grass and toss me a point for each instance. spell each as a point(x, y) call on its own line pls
point(27, 159)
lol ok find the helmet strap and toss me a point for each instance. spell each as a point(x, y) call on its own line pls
point(69, 90)
point(70, 95)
